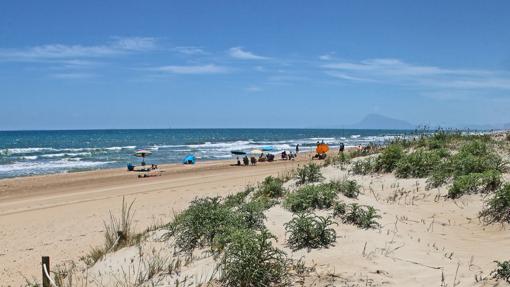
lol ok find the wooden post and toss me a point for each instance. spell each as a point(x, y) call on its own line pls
point(45, 280)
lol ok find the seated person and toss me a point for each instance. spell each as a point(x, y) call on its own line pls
point(246, 161)
point(253, 160)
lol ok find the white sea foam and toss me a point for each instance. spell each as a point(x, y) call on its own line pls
point(29, 157)
point(38, 167)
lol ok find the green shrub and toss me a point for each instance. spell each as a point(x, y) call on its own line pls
point(271, 187)
point(251, 260)
point(502, 271)
point(387, 160)
point(238, 198)
point(348, 188)
point(475, 183)
point(253, 212)
point(339, 209)
point(507, 137)
point(310, 197)
point(361, 216)
point(206, 222)
point(363, 166)
point(309, 173)
point(340, 159)
point(498, 207)
point(475, 157)
point(419, 164)
point(307, 230)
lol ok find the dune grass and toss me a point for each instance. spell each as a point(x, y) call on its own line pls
point(307, 230)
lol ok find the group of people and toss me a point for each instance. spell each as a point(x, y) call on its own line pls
point(267, 157)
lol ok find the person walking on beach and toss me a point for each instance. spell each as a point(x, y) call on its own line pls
point(297, 149)
point(342, 147)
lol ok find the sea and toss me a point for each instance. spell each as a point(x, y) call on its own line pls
point(25, 153)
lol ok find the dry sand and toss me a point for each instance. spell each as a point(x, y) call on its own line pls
point(62, 215)
point(424, 239)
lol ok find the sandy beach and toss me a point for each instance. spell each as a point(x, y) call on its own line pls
point(424, 239)
point(62, 215)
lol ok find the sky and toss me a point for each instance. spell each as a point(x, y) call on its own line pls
point(226, 64)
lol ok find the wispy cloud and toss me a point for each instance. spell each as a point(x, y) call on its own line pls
point(190, 50)
point(239, 53)
point(73, 76)
point(117, 46)
point(395, 71)
point(254, 89)
point(192, 69)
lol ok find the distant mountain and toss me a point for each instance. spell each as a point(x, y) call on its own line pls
point(380, 122)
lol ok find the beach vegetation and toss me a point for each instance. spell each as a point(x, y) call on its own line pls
point(309, 173)
point(271, 187)
point(349, 188)
point(475, 183)
point(363, 166)
point(310, 197)
point(339, 159)
point(363, 216)
point(339, 209)
point(119, 232)
point(502, 271)
point(419, 163)
point(307, 230)
point(497, 208)
point(206, 222)
point(250, 259)
point(239, 198)
point(388, 158)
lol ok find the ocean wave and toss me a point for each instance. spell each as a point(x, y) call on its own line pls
point(36, 167)
point(32, 150)
point(70, 154)
point(29, 157)
point(355, 136)
point(28, 150)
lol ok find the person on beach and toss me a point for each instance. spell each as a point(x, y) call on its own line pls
point(246, 161)
point(297, 149)
point(342, 147)
point(253, 160)
point(238, 161)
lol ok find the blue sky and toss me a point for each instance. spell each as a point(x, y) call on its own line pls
point(154, 64)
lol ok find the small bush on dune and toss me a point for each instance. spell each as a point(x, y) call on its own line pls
point(419, 164)
point(309, 173)
point(339, 209)
point(475, 157)
point(475, 183)
point(502, 271)
point(498, 207)
point(387, 160)
point(205, 223)
point(363, 166)
point(271, 187)
point(251, 260)
point(361, 216)
point(340, 159)
point(307, 230)
point(310, 197)
point(238, 198)
point(348, 188)
point(253, 212)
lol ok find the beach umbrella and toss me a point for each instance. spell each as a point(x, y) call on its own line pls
point(142, 153)
point(322, 148)
point(238, 152)
point(257, 151)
